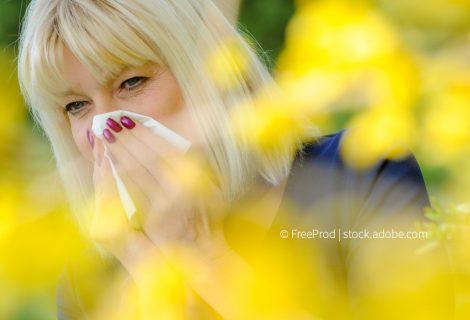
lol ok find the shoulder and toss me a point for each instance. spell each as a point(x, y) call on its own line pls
point(326, 149)
point(323, 147)
point(319, 171)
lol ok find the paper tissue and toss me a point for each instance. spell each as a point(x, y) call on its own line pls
point(99, 124)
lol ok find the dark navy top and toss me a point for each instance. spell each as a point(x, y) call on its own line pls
point(326, 195)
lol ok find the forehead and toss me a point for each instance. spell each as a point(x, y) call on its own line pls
point(74, 70)
point(78, 77)
point(101, 46)
point(70, 62)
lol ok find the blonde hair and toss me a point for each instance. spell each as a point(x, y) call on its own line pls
point(107, 35)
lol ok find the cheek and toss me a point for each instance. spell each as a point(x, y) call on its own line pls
point(162, 100)
point(80, 138)
point(168, 107)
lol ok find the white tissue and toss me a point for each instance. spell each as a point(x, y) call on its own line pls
point(99, 124)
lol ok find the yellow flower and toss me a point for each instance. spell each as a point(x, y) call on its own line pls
point(9, 200)
point(378, 133)
point(446, 129)
point(272, 120)
point(227, 62)
point(335, 34)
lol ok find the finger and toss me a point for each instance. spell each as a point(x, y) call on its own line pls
point(169, 165)
point(141, 153)
point(162, 147)
point(187, 175)
point(177, 168)
point(159, 150)
point(135, 168)
point(103, 179)
point(109, 219)
point(97, 152)
point(139, 183)
point(132, 183)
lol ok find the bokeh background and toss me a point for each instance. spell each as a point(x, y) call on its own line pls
point(396, 72)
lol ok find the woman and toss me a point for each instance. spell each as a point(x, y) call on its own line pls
point(79, 59)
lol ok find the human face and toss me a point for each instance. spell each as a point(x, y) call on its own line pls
point(150, 90)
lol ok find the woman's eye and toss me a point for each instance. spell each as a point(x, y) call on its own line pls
point(132, 83)
point(74, 107)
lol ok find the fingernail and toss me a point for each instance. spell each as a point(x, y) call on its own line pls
point(109, 136)
point(113, 125)
point(127, 122)
point(91, 140)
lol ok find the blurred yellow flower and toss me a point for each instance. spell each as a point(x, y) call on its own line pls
point(377, 133)
point(336, 34)
point(9, 199)
point(446, 128)
point(269, 122)
point(430, 16)
point(226, 62)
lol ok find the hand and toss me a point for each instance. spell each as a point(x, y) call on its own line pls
point(109, 226)
point(181, 208)
point(177, 200)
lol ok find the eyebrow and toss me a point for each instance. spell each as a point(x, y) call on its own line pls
point(70, 93)
point(123, 71)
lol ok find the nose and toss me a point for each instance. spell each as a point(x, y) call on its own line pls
point(104, 103)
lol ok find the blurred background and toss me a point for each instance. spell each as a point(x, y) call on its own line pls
point(397, 72)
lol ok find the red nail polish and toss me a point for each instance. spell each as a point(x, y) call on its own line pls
point(113, 125)
point(127, 122)
point(109, 136)
point(90, 138)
